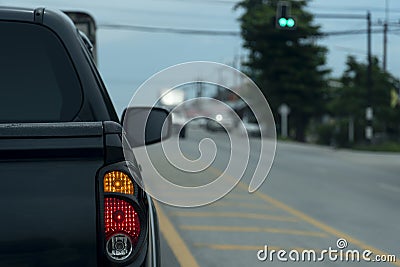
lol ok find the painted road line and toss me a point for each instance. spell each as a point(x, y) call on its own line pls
point(224, 203)
point(237, 196)
point(235, 215)
point(174, 240)
point(249, 247)
point(232, 247)
point(212, 228)
point(324, 227)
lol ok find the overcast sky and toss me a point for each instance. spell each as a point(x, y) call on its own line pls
point(128, 58)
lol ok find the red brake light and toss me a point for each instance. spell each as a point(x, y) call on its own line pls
point(122, 228)
point(121, 218)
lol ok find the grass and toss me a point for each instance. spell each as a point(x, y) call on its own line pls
point(383, 147)
point(280, 138)
point(388, 146)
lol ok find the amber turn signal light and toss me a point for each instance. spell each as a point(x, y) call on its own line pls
point(118, 182)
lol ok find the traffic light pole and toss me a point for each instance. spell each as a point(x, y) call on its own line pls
point(369, 110)
point(284, 19)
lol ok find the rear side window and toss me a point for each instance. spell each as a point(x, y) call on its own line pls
point(38, 82)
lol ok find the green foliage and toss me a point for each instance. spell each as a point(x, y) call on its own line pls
point(325, 134)
point(287, 64)
point(351, 99)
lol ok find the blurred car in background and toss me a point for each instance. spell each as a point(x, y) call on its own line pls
point(250, 124)
point(179, 119)
point(223, 120)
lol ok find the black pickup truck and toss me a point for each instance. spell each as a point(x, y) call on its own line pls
point(67, 193)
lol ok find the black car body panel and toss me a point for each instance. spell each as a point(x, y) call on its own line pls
point(48, 174)
point(52, 167)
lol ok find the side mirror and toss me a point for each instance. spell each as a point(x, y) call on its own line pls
point(146, 125)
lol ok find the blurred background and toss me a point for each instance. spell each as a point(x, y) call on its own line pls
point(330, 72)
point(136, 39)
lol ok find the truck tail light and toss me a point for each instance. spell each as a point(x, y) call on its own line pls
point(122, 228)
point(118, 182)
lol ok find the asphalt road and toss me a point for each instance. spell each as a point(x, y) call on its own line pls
point(313, 196)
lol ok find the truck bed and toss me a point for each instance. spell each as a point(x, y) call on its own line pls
point(48, 210)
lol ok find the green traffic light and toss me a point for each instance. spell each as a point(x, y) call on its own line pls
point(282, 22)
point(290, 23)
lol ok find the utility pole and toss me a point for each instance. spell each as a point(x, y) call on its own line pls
point(385, 32)
point(369, 111)
point(385, 41)
point(199, 87)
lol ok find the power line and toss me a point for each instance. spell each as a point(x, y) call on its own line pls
point(340, 16)
point(154, 29)
point(354, 32)
point(169, 30)
point(203, 1)
point(397, 33)
point(354, 8)
point(312, 6)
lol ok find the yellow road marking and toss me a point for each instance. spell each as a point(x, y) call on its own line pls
point(322, 226)
point(243, 205)
point(238, 196)
point(308, 219)
point(250, 229)
point(174, 240)
point(235, 215)
point(231, 247)
point(247, 247)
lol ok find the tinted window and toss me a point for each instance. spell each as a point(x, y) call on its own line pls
point(38, 82)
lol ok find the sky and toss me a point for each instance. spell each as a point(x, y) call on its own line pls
point(127, 58)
